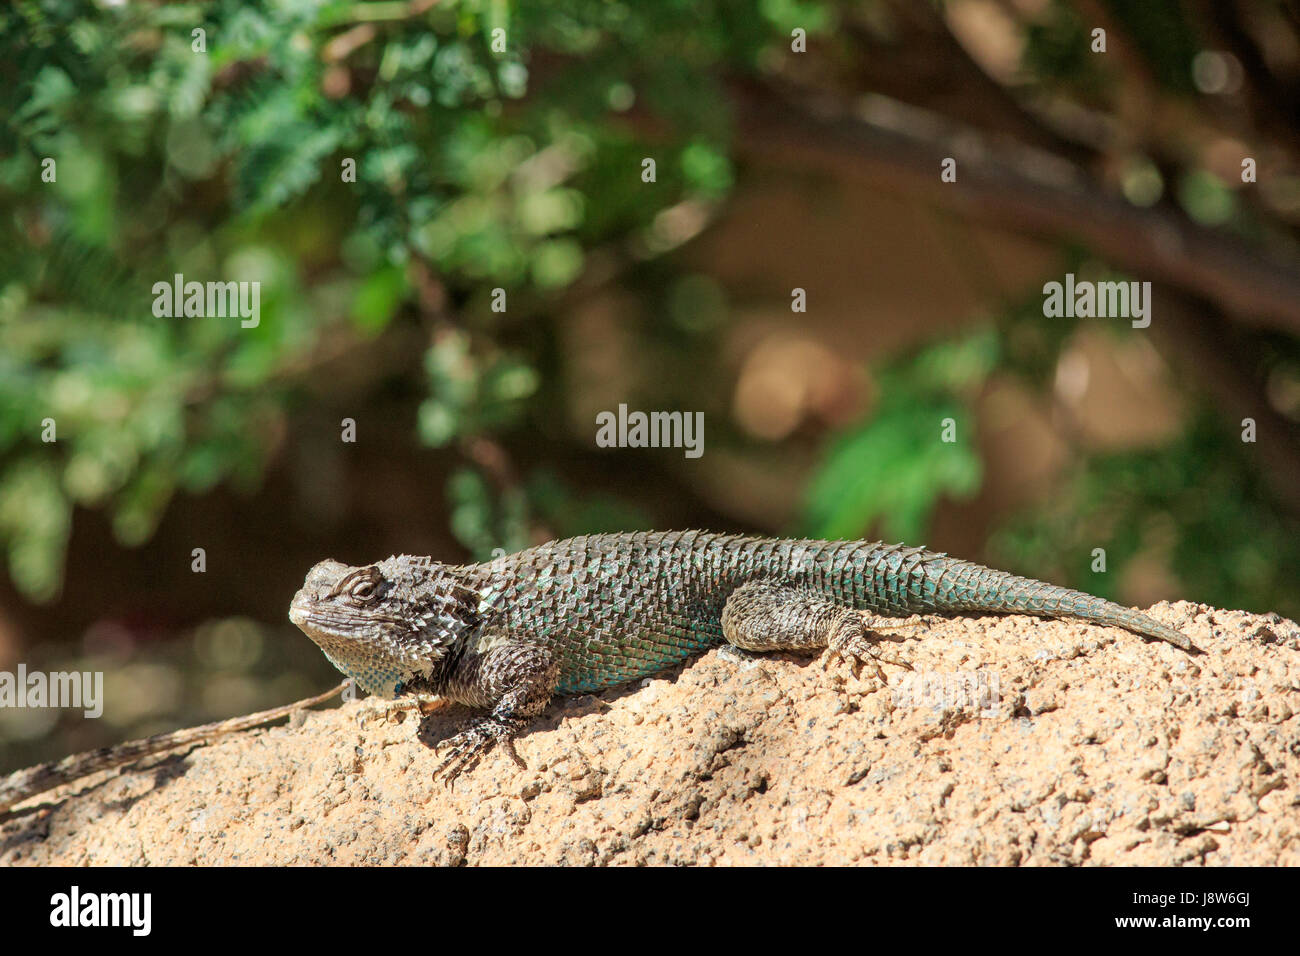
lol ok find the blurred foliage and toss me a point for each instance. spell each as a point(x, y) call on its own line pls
point(227, 163)
point(1198, 505)
point(471, 395)
point(916, 447)
point(491, 522)
point(480, 169)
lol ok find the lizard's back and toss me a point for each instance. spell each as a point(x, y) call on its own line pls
point(621, 606)
point(616, 607)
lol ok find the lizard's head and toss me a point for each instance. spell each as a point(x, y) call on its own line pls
point(387, 623)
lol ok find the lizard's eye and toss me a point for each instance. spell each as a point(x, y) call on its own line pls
point(363, 590)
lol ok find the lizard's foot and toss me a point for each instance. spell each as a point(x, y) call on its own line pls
point(469, 746)
point(855, 643)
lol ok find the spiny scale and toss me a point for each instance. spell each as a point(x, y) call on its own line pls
point(621, 606)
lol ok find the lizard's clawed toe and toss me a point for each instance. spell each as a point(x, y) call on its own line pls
point(465, 750)
point(855, 644)
point(468, 747)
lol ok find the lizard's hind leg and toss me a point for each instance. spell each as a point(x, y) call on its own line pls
point(763, 616)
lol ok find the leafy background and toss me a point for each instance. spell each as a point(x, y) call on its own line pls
point(520, 169)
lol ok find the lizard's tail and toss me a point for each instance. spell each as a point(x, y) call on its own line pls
point(925, 581)
point(1004, 592)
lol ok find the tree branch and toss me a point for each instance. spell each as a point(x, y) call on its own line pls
point(1023, 189)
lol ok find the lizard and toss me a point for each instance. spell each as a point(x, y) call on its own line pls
point(586, 613)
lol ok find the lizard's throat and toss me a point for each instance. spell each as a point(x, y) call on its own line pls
point(378, 666)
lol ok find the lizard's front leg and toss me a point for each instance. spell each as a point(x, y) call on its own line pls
point(763, 616)
point(509, 677)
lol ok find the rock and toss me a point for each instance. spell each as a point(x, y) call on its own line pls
point(1012, 741)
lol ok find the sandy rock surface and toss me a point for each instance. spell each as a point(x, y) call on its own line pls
point(1012, 741)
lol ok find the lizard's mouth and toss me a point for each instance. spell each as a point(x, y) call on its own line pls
point(308, 617)
point(300, 612)
point(323, 628)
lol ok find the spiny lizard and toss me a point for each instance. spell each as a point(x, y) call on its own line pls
point(585, 613)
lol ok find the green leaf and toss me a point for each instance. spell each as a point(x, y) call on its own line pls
point(378, 298)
